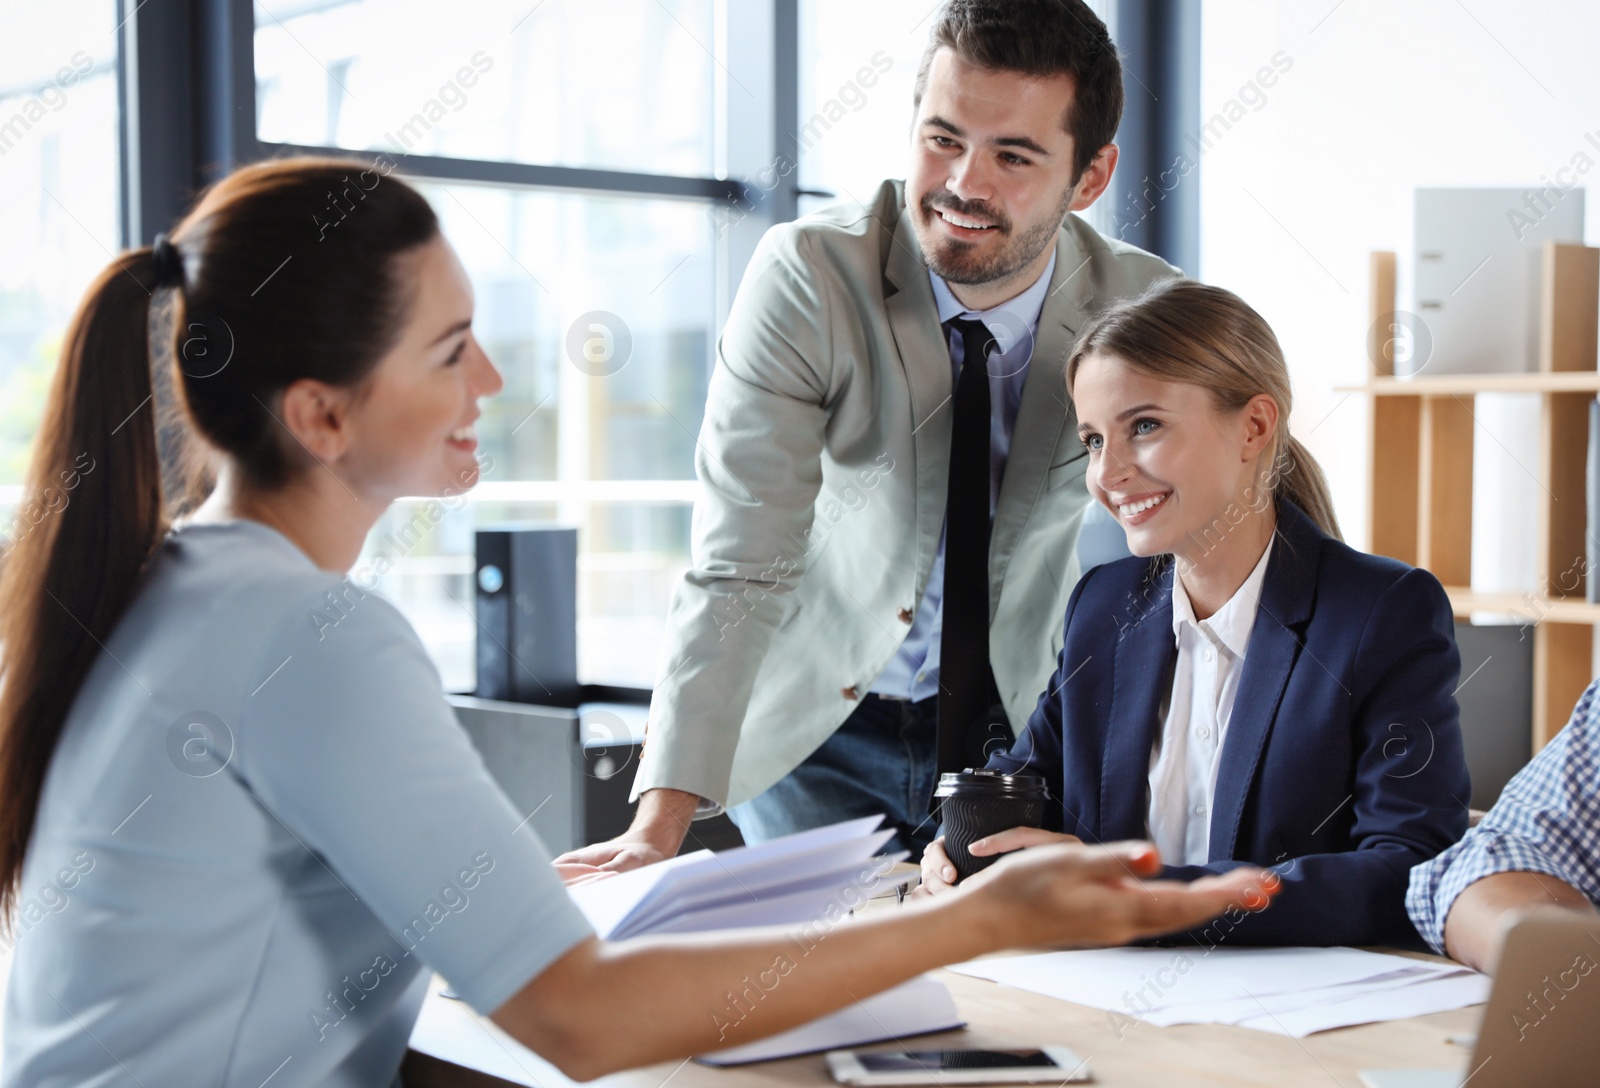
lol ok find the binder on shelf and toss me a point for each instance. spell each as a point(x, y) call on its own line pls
point(1476, 284)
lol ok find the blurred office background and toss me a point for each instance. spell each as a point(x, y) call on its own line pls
point(605, 167)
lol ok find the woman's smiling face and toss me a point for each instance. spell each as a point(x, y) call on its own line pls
point(412, 427)
point(1163, 458)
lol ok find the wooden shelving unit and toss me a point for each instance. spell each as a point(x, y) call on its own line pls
point(1420, 473)
point(1481, 383)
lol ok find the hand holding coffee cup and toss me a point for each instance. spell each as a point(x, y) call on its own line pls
point(987, 810)
point(939, 873)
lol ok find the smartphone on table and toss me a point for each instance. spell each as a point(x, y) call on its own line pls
point(1039, 1065)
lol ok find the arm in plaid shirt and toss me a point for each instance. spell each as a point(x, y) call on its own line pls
point(1546, 821)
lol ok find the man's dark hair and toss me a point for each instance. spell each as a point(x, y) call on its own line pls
point(1039, 38)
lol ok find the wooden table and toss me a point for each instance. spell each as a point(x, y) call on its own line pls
point(1119, 1053)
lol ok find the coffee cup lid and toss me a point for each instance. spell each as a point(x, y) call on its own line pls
point(984, 782)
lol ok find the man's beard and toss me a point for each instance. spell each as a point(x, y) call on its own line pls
point(955, 262)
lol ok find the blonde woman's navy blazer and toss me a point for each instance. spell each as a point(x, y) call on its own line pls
point(1342, 766)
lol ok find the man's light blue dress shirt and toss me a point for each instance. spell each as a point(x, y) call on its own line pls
point(913, 673)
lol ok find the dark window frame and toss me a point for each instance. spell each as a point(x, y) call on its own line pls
point(187, 92)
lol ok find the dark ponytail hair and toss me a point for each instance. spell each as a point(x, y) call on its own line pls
point(283, 270)
point(1181, 330)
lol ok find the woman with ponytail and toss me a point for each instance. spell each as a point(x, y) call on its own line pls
point(1247, 690)
point(241, 824)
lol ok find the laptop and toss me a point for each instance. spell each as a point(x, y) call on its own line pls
point(1542, 1018)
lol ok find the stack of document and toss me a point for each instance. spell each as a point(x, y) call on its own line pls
point(1288, 991)
point(812, 880)
point(913, 1008)
point(799, 878)
point(450, 1031)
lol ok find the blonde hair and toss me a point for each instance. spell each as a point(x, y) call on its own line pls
point(1182, 330)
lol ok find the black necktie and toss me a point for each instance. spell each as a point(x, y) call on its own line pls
point(964, 676)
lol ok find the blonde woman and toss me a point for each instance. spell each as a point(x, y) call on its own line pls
point(1247, 690)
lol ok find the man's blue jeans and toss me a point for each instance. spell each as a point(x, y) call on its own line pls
point(881, 760)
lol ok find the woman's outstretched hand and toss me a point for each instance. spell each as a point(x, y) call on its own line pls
point(939, 875)
point(1070, 895)
point(670, 989)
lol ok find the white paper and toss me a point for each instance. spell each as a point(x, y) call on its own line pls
point(916, 1007)
point(772, 907)
point(452, 1032)
point(713, 887)
point(1305, 989)
point(624, 892)
point(631, 903)
point(1256, 1005)
point(1419, 999)
point(788, 880)
point(1117, 978)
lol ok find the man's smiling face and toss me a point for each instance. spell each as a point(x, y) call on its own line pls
point(991, 174)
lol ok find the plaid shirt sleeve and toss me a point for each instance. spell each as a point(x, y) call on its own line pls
point(1546, 821)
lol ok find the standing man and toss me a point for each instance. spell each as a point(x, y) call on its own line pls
point(892, 481)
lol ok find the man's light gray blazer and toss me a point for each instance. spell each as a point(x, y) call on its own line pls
point(823, 461)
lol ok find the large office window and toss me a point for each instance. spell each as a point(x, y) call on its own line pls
point(620, 84)
point(858, 67)
point(59, 209)
point(600, 309)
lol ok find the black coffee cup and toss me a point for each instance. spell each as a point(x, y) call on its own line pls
point(978, 803)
